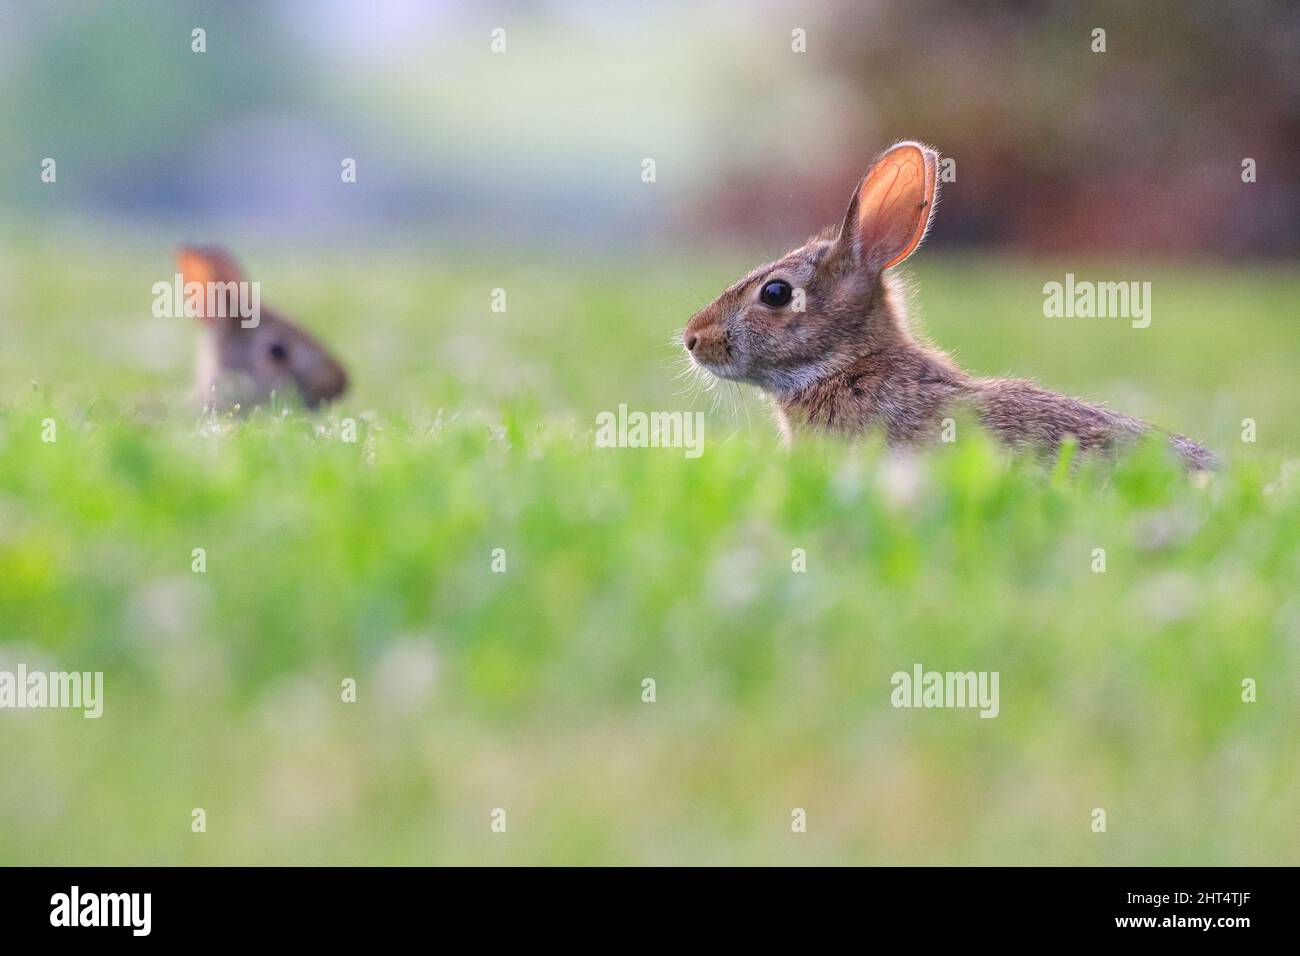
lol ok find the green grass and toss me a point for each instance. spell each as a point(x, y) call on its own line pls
point(522, 690)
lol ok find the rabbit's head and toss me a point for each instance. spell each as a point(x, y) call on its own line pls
point(248, 353)
point(816, 308)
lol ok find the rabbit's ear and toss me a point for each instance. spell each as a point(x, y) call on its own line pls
point(211, 264)
point(892, 206)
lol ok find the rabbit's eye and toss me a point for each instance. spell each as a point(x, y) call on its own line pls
point(278, 352)
point(776, 293)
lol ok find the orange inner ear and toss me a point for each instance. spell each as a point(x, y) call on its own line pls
point(204, 265)
point(195, 266)
point(895, 203)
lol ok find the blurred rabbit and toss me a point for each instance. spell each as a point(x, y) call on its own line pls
point(824, 331)
point(242, 358)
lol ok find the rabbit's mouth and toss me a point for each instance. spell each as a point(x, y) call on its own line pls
point(724, 369)
point(714, 354)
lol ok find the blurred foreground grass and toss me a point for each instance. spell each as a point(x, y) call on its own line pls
point(522, 690)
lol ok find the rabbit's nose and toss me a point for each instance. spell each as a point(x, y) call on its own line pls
point(690, 338)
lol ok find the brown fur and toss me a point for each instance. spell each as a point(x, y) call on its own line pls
point(244, 366)
point(848, 363)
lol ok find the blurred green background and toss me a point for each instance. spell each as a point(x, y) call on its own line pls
point(522, 690)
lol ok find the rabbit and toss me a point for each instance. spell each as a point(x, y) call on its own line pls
point(846, 361)
point(243, 359)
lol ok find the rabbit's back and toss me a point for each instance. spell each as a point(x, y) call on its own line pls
point(909, 392)
point(1023, 414)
